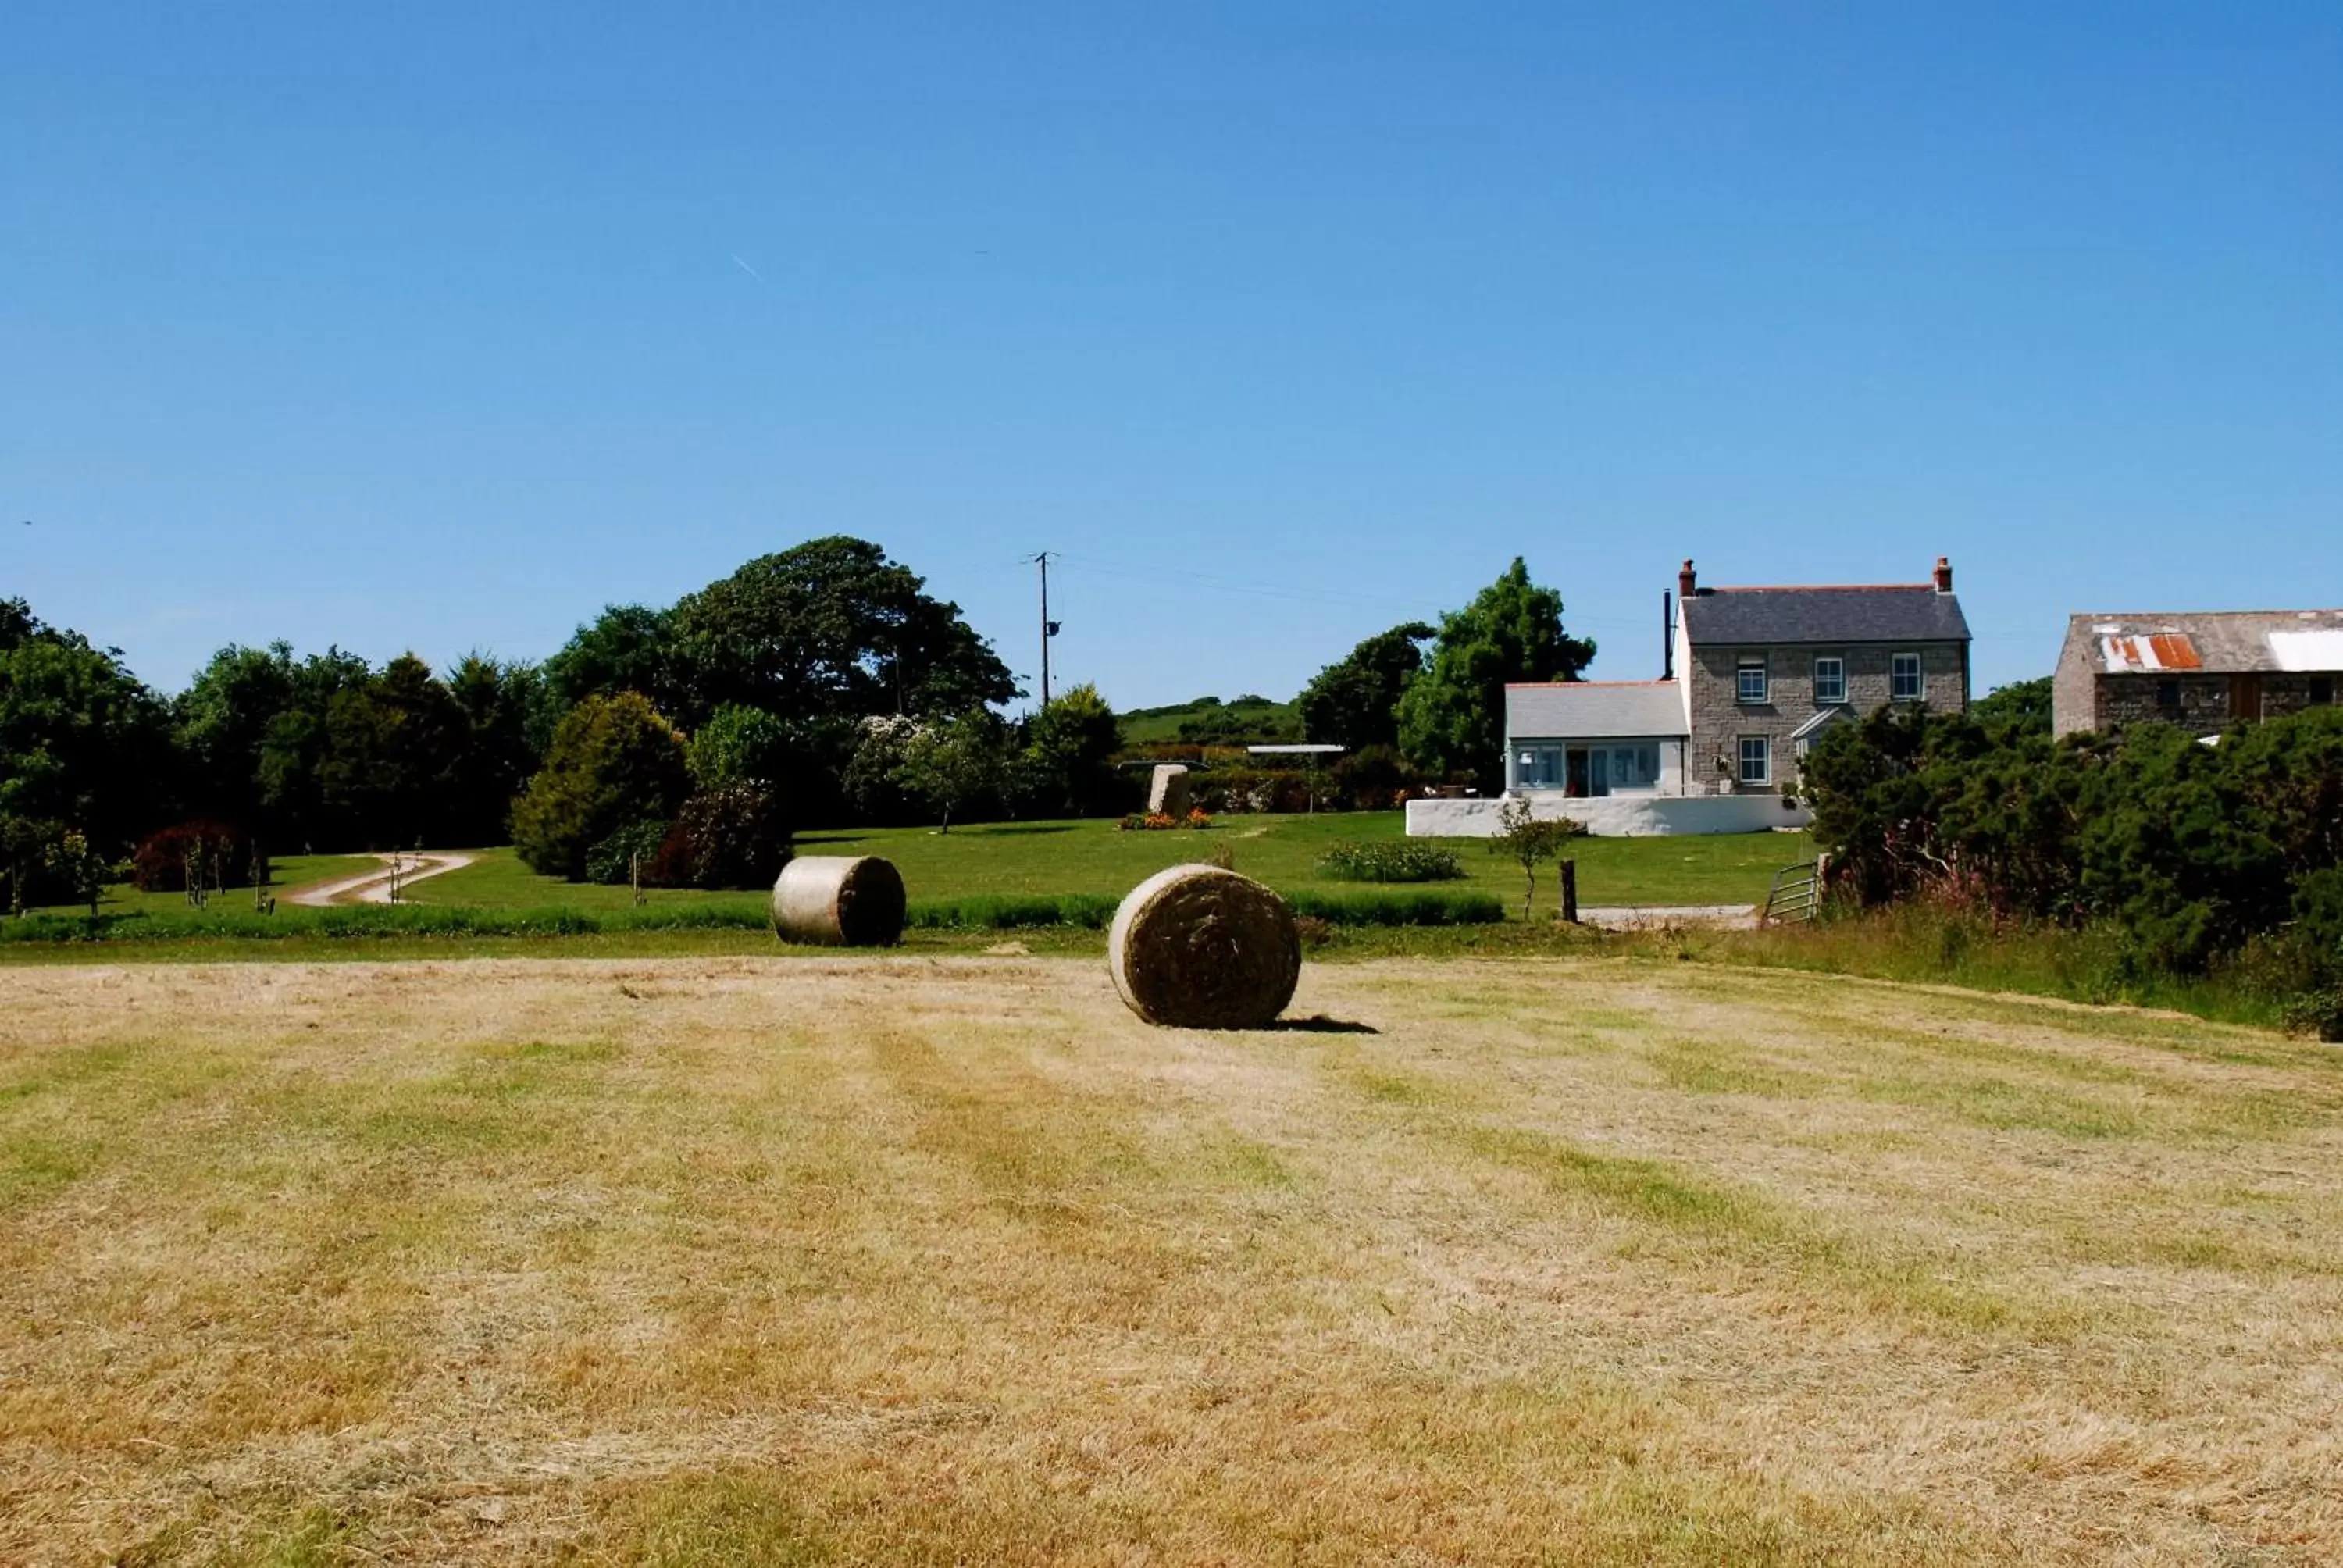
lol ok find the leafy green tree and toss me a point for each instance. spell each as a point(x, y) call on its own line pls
point(627, 648)
point(956, 763)
point(495, 707)
point(23, 854)
point(1529, 842)
point(2022, 708)
point(1068, 765)
point(740, 744)
point(1354, 702)
point(78, 869)
point(870, 782)
point(82, 740)
point(221, 721)
point(392, 744)
point(293, 753)
point(614, 761)
point(1452, 716)
point(831, 627)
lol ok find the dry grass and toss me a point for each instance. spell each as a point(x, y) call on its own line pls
point(724, 1260)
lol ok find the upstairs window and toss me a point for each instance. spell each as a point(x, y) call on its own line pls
point(1830, 680)
point(2167, 694)
point(2322, 690)
point(1905, 682)
point(1752, 685)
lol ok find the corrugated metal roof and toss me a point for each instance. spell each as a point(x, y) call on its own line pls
point(1594, 710)
point(2223, 642)
point(2161, 651)
point(2319, 650)
point(1895, 613)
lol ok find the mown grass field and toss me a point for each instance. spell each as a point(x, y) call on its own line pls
point(1095, 857)
point(904, 1259)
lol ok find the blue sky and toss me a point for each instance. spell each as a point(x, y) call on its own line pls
point(414, 325)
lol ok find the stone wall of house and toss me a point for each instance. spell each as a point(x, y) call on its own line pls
point(2293, 691)
point(1719, 718)
point(2075, 687)
point(2201, 702)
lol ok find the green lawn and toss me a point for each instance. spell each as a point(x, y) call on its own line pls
point(1096, 857)
point(288, 872)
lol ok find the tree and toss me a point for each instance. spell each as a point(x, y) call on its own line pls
point(77, 869)
point(391, 745)
point(1529, 842)
point(614, 761)
point(1068, 764)
point(1452, 716)
point(627, 648)
point(956, 763)
point(82, 742)
point(1354, 702)
point(739, 745)
point(495, 708)
point(221, 723)
point(293, 752)
point(2021, 708)
point(830, 628)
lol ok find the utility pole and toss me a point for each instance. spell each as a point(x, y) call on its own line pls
point(1049, 626)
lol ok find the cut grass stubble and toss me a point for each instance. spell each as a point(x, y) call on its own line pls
point(832, 1260)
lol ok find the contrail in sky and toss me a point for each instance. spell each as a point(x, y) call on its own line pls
point(744, 267)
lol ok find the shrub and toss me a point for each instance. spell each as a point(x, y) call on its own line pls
point(613, 762)
point(731, 837)
point(1164, 822)
point(1395, 860)
point(1426, 907)
point(611, 861)
point(222, 853)
point(1010, 911)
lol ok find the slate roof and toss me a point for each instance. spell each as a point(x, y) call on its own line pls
point(1594, 710)
point(1897, 613)
point(2219, 641)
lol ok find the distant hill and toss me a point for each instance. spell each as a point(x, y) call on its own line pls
point(1247, 721)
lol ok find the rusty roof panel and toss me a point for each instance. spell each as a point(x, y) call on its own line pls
point(2175, 653)
point(2160, 650)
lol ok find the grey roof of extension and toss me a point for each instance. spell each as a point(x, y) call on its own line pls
point(1594, 710)
point(1899, 613)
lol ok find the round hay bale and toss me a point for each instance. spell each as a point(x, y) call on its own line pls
point(839, 902)
point(1197, 947)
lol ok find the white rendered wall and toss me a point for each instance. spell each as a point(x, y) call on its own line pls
point(1612, 816)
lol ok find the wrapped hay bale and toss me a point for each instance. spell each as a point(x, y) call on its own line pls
point(1196, 947)
point(839, 902)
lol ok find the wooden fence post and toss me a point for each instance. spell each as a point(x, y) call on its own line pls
point(1570, 892)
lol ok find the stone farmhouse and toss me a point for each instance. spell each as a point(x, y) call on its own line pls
point(1753, 676)
point(2201, 670)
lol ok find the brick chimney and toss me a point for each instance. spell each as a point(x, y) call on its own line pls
point(1685, 587)
point(1944, 574)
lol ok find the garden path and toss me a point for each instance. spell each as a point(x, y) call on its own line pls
point(374, 887)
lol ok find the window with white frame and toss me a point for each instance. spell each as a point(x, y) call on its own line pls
point(1756, 759)
point(1752, 685)
point(1830, 680)
point(1538, 767)
point(1904, 680)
